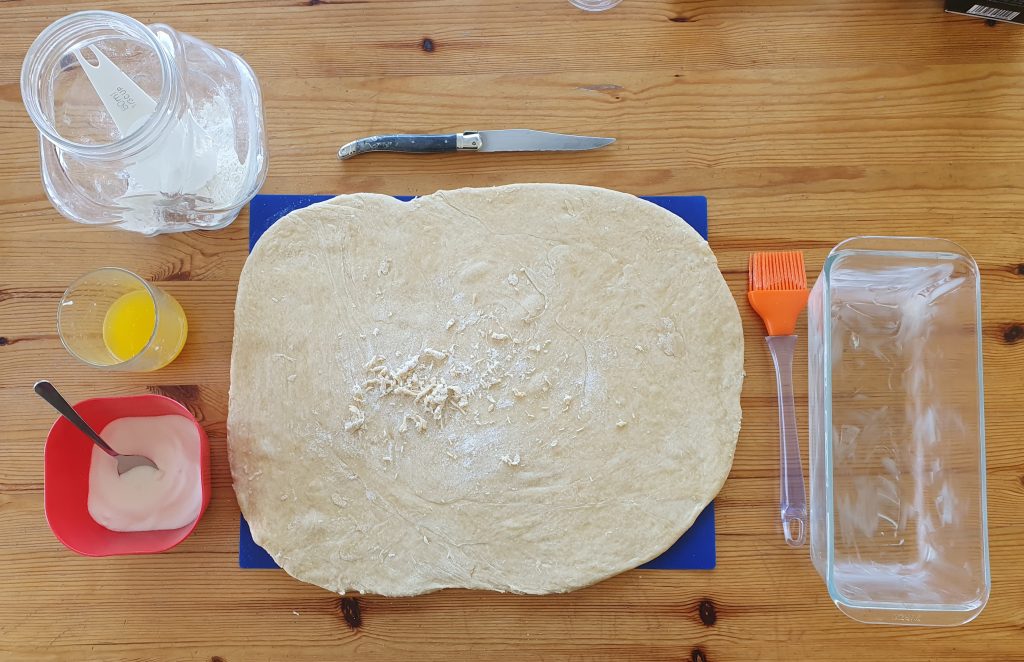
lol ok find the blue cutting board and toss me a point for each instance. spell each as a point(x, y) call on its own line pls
point(694, 551)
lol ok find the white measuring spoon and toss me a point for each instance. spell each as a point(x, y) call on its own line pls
point(127, 103)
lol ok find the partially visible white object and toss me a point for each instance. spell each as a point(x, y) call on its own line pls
point(594, 5)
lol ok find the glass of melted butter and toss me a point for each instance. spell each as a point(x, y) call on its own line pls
point(113, 319)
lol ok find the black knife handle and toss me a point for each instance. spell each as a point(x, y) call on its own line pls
point(414, 144)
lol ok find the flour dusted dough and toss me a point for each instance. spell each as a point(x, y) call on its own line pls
point(526, 388)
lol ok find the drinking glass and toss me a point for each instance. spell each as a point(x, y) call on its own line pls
point(113, 319)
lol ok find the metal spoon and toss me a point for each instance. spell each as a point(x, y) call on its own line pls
point(46, 391)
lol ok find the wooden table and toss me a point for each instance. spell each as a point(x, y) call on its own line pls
point(804, 123)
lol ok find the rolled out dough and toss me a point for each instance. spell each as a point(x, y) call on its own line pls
point(526, 388)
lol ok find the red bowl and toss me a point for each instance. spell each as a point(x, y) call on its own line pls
point(67, 458)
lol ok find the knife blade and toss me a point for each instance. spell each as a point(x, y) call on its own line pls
point(503, 140)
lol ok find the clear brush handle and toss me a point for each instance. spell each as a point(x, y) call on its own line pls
point(792, 494)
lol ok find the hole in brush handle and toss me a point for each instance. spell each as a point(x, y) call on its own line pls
point(795, 531)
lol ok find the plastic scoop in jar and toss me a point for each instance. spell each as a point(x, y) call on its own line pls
point(126, 102)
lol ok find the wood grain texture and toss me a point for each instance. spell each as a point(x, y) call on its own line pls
point(804, 123)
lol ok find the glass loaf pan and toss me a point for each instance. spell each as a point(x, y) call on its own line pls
point(897, 436)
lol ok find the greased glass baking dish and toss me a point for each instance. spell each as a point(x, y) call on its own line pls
point(897, 437)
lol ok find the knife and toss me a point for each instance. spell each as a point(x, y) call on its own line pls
point(506, 140)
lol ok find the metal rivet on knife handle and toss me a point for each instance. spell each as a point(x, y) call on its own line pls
point(468, 140)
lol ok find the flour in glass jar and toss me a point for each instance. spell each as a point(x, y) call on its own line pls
point(195, 168)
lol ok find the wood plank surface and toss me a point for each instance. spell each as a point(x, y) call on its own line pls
point(804, 123)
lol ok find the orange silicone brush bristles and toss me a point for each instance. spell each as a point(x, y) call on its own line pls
point(778, 289)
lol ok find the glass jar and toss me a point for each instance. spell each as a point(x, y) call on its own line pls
point(192, 163)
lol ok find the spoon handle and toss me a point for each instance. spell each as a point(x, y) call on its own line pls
point(48, 392)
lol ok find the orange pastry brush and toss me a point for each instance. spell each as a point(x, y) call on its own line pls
point(778, 292)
